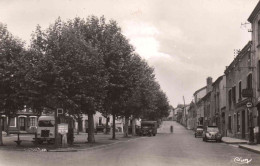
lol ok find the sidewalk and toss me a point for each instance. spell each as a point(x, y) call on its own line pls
point(252, 148)
point(80, 143)
point(242, 144)
point(230, 140)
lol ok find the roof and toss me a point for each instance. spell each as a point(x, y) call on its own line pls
point(46, 118)
point(206, 96)
point(199, 90)
point(254, 13)
point(218, 80)
point(148, 122)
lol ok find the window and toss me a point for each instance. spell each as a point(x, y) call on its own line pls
point(239, 90)
point(249, 81)
point(12, 122)
point(46, 123)
point(32, 121)
point(229, 98)
point(229, 122)
point(234, 94)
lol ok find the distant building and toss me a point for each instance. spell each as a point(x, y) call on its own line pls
point(192, 117)
point(23, 120)
point(178, 113)
point(199, 107)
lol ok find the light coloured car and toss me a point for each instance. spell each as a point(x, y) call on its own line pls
point(211, 133)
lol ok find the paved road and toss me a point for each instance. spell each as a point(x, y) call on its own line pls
point(178, 149)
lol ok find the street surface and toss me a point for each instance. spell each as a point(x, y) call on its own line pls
point(178, 149)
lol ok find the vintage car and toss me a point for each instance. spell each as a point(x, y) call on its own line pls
point(198, 131)
point(148, 128)
point(211, 133)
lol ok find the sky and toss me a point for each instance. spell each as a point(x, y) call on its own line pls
point(185, 41)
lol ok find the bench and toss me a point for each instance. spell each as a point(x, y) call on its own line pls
point(18, 142)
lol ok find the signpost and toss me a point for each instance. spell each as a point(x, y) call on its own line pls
point(63, 130)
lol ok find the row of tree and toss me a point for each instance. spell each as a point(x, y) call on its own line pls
point(82, 66)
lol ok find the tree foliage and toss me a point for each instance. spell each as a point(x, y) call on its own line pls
point(83, 66)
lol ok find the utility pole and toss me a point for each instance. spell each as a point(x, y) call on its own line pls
point(184, 110)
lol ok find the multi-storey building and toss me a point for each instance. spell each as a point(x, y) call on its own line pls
point(192, 117)
point(239, 77)
point(218, 103)
point(199, 107)
point(254, 19)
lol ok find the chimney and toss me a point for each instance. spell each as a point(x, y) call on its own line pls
point(209, 84)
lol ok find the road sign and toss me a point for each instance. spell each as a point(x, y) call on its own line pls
point(59, 111)
point(63, 128)
point(249, 104)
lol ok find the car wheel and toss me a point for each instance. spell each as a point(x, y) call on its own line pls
point(195, 136)
point(205, 139)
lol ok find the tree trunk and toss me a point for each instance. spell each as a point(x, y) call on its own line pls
point(8, 126)
point(114, 127)
point(79, 120)
point(1, 136)
point(91, 129)
point(106, 129)
point(126, 126)
point(133, 126)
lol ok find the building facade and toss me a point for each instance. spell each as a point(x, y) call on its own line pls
point(24, 120)
point(254, 19)
point(192, 117)
point(239, 77)
point(218, 103)
point(199, 106)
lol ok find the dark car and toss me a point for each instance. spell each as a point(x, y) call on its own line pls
point(198, 131)
point(211, 133)
point(148, 128)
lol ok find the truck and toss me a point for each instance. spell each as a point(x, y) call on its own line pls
point(45, 129)
point(148, 128)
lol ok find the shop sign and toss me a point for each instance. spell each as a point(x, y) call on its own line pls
point(249, 104)
point(63, 128)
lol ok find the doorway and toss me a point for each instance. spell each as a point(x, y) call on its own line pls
point(22, 123)
point(243, 125)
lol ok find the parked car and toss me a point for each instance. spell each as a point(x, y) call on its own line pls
point(211, 133)
point(198, 131)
